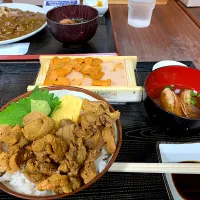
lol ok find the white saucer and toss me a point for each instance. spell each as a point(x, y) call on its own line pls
point(165, 63)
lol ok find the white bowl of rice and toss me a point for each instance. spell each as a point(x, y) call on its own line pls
point(18, 185)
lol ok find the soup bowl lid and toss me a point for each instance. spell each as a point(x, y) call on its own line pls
point(166, 63)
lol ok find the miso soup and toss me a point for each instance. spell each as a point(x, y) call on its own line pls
point(179, 100)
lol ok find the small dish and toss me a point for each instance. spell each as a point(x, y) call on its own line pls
point(93, 3)
point(174, 153)
point(167, 63)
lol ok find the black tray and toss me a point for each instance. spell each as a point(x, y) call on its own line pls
point(139, 138)
point(44, 43)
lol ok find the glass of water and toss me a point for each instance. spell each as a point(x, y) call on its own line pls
point(140, 12)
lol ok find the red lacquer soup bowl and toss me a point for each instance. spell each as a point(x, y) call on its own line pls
point(171, 75)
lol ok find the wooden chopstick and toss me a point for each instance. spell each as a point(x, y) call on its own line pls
point(177, 168)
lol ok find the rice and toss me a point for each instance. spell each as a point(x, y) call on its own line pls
point(19, 183)
point(102, 161)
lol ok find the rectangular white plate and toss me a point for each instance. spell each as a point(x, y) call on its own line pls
point(174, 153)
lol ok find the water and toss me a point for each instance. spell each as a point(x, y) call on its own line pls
point(140, 12)
point(142, 4)
point(138, 23)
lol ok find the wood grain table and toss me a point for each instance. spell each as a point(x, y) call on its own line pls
point(171, 35)
point(193, 13)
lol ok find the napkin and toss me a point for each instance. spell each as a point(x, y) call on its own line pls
point(14, 49)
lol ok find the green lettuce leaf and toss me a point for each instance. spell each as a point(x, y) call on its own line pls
point(16, 111)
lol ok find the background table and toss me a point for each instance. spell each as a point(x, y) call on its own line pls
point(171, 35)
point(192, 12)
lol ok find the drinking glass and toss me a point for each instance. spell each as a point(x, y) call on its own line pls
point(140, 12)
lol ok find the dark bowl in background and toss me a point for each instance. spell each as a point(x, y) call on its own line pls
point(171, 75)
point(73, 33)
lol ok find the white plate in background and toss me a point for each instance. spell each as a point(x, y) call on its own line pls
point(24, 7)
point(93, 3)
point(174, 153)
point(165, 63)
